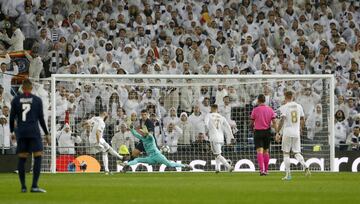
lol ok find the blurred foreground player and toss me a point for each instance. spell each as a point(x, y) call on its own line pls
point(27, 112)
point(154, 155)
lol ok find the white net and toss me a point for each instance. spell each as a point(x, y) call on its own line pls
point(176, 106)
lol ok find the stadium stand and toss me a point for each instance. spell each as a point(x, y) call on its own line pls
point(182, 37)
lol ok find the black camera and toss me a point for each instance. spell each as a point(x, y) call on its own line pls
point(147, 32)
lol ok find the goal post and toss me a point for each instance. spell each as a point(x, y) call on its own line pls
point(170, 90)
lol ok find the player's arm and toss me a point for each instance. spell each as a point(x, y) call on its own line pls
point(302, 123)
point(227, 128)
point(278, 128)
point(280, 125)
point(41, 119)
point(98, 135)
point(43, 124)
point(273, 120)
point(136, 134)
point(252, 120)
point(302, 119)
point(12, 119)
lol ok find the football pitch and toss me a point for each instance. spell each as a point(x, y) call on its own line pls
point(339, 188)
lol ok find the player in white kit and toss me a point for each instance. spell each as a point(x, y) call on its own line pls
point(291, 123)
point(96, 139)
point(217, 126)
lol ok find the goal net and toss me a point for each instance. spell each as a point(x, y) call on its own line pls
point(176, 106)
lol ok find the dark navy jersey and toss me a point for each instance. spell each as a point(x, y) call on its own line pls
point(27, 111)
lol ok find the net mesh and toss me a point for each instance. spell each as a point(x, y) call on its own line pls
point(177, 108)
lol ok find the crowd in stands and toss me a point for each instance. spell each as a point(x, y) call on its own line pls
point(207, 37)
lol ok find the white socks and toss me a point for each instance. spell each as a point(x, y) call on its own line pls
point(217, 164)
point(105, 161)
point(114, 153)
point(287, 164)
point(223, 161)
point(300, 158)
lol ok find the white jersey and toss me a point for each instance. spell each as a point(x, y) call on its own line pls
point(97, 123)
point(217, 126)
point(292, 112)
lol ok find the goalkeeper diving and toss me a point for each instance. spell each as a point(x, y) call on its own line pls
point(154, 155)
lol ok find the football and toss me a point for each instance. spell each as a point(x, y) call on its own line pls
point(165, 149)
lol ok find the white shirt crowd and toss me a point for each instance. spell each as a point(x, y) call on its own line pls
point(186, 37)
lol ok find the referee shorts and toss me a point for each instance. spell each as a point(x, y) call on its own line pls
point(262, 139)
point(29, 145)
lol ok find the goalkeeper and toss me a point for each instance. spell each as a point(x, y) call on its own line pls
point(154, 155)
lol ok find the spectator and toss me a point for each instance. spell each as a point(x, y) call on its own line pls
point(36, 65)
point(341, 130)
point(314, 122)
point(5, 138)
point(5, 98)
point(66, 140)
point(16, 41)
point(172, 117)
point(171, 136)
point(123, 137)
point(187, 137)
point(6, 75)
point(355, 138)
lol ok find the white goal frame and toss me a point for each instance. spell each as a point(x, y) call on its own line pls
point(329, 77)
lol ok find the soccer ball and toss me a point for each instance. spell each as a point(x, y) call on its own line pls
point(165, 149)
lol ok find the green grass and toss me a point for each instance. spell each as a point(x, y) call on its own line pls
point(339, 188)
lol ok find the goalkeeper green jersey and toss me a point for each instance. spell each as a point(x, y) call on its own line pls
point(149, 143)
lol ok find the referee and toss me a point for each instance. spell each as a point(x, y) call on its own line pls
point(262, 118)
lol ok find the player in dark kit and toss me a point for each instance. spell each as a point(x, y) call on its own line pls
point(27, 112)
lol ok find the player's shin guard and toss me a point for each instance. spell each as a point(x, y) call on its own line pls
point(223, 161)
point(287, 164)
point(36, 171)
point(21, 169)
point(114, 153)
point(105, 161)
point(300, 158)
point(266, 157)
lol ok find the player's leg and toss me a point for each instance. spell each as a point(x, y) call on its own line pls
point(216, 154)
point(37, 149)
point(266, 154)
point(216, 149)
point(259, 144)
point(105, 159)
point(146, 160)
point(22, 151)
point(109, 149)
point(286, 147)
point(163, 160)
point(297, 152)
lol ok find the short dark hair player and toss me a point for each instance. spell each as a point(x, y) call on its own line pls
point(27, 113)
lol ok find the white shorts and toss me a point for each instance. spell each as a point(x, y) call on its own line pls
point(216, 147)
point(103, 146)
point(291, 144)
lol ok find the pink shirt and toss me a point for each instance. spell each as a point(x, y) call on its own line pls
point(262, 116)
